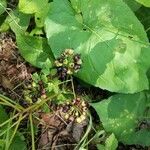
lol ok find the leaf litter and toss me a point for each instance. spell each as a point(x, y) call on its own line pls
point(14, 70)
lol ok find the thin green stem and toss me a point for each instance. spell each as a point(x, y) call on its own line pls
point(85, 135)
point(7, 121)
point(96, 135)
point(12, 125)
point(32, 131)
point(37, 105)
point(11, 103)
point(147, 29)
point(73, 90)
point(14, 133)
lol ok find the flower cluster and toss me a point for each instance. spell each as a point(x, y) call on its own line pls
point(68, 63)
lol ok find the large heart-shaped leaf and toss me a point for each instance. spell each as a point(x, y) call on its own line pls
point(35, 50)
point(111, 40)
point(121, 114)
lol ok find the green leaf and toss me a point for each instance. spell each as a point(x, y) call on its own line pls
point(100, 147)
point(143, 14)
point(18, 142)
point(144, 2)
point(76, 4)
point(3, 115)
point(113, 46)
point(2, 144)
point(18, 21)
point(35, 50)
point(3, 6)
point(140, 137)
point(111, 143)
point(133, 4)
point(120, 114)
point(37, 7)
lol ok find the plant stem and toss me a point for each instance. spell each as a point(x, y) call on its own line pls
point(86, 134)
point(7, 121)
point(14, 133)
point(73, 88)
point(12, 125)
point(10, 102)
point(36, 106)
point(32, 131)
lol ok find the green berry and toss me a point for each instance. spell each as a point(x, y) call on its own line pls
point(71, 65)
point(58, 64)
point(65, 62)
point(34, 84)
point(70, 51)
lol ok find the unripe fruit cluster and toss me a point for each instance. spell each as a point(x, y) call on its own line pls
point(68, 63)
point(74, 111)
point(34, 92)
